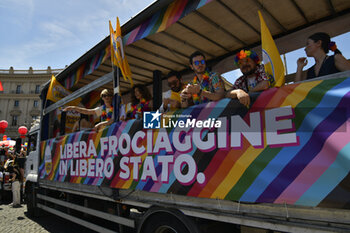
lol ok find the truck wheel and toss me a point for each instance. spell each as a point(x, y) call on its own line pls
point(164, 223)
point(32, 210)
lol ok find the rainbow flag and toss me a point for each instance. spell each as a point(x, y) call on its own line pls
point(163, 19)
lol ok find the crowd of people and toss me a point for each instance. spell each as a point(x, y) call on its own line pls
point(208, 85)
point(12, 174)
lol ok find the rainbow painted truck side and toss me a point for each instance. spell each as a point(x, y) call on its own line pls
point(282, 164)
point(290, 147)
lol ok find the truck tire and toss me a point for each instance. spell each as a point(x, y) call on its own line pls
point(32, 210)
point(168, 222)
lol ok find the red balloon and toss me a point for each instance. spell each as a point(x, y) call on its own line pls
point(3, 126)
point(22, 131)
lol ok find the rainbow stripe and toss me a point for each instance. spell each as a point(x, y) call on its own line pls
point(156, 23)
point(163, 19)
point(310, 173)
point(87, 68)
point(93, 99)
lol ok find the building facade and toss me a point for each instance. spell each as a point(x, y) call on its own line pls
point(19, 101)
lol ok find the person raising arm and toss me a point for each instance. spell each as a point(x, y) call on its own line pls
point(105, 112)
point(318, 46)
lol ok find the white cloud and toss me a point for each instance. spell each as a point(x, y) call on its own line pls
point(59, 32)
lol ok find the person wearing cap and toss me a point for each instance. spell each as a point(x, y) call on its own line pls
point(318, 46)
point(206, 86)
point(254, 78)
point(105, 112)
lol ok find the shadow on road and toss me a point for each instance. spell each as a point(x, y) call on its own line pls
point(55, 224)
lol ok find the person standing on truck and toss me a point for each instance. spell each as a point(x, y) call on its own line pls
point(254, 78)
point(105, 112)
point(141, 100)
point(171, 98)
point(206, 86)
point(317, 46)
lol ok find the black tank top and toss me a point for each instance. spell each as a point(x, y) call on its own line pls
point(328, 67)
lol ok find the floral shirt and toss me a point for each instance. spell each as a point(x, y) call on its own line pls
point(246, 85)
point(211, 82)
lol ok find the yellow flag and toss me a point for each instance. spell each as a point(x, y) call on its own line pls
point(57, 91)
point(112, 36)
point(271, 57)
point(117, 54)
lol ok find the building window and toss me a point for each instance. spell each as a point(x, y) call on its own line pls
point(14, 120)
point(35, 104)
point(37, 89)
point(16, 103)
point(18, 89)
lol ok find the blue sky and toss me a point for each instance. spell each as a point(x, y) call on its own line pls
point(42, 33)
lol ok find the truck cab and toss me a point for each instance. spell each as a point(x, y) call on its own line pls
point(31, 165)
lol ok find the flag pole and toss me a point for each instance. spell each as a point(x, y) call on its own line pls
point(285, 64)
point(116, 91)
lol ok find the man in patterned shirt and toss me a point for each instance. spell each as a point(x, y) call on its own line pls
point(206, 86)
point(253, 79)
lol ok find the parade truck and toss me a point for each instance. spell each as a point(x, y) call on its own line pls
point(281, 164)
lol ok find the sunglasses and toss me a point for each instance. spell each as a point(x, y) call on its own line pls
point(173, 83)
point(103, 96)
point(199, 62)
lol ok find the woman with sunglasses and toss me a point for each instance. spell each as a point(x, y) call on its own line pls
point(206, 86)
point(140, 102)
point(105, 112)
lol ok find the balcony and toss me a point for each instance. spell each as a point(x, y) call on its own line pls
point(34, 112)
point(30, 71)
point(16, 92)
point(15, 112)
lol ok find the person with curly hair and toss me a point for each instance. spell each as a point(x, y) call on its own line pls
point(254, 78)
point(141, 100)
